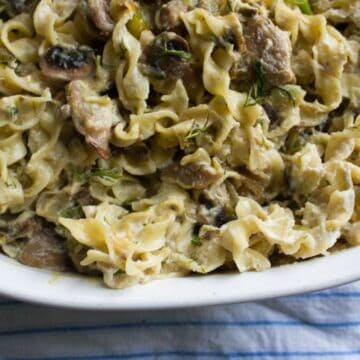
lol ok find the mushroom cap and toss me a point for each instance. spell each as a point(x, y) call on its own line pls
point(66, 64)
point(168, 54)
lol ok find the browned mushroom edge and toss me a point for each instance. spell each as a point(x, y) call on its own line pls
point(38, 244)
point(191, 176)
point(66, 64)
point(166, 57)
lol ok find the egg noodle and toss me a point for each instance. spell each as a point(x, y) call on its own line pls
point(146, 139)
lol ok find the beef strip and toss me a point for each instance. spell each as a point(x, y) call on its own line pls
point(269, 45)
point(39, 245)
point(191, 176)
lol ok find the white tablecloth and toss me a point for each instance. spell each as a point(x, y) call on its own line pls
point(321, 325)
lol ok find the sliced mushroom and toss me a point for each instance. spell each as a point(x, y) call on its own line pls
point(15, 7)
point(267, 43)
point(39, 245)
point(93, 116)
point(68, 64)
point(99, 13)
point(167, 57)
point(191, 176)
point(214, 215)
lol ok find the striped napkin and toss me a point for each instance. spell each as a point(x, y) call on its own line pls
point(320, 325)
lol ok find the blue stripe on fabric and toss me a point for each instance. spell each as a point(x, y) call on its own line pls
point(207, 354)
point(164, 324)
point(350, 294)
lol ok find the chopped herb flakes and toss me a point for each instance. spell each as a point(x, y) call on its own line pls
point(295, 141)
point(12, 111)
point(196, 130)
point(120, 272)
point(84, 174)
point(195, 241)
point(257, 90)
point(179, 53)
point(154, 72)
point(107, 174)
point(72, 212)
point(300, 227)
point(286, 93)
point(260, 89)
point(223, 41)
point(303, 5)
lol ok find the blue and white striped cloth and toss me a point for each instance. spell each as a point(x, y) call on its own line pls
point(321, 325)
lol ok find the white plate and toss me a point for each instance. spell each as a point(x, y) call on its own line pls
point(74, 291)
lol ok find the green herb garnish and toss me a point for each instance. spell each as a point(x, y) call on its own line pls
point(303, 5)
point(84, 174)
point(222, 41)
point(168, 48)
point(295, 141)
point(107, 174)
point(196, 130)
point(287, 94)
point(72, 212)
point(179, 53)
point(153, 72)
point(256, 93)
point(195, 241)
point(229, 6)
point(300, 227)
point(261, 88)
point(12, 111)
point(260, 76)
point(120, 272)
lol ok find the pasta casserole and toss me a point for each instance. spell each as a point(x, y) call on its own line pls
point(146, 139)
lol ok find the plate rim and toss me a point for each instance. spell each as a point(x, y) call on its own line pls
point(51, 289)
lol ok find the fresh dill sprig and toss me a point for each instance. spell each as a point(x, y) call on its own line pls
point(260, 89)
point(196, 130)
point(287, 93)
point(256, 93)
point(84, 174)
